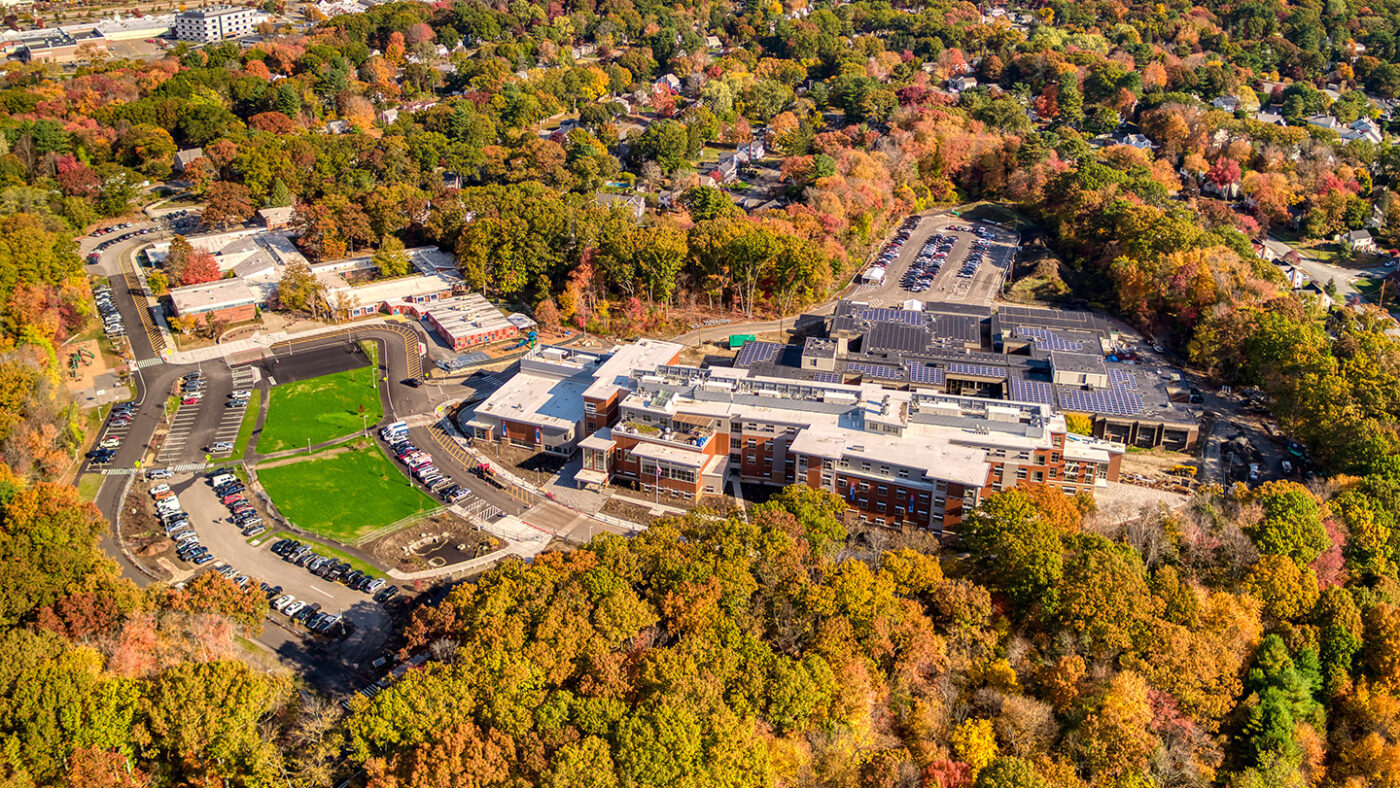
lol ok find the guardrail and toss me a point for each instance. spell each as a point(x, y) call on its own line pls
point(396, 525)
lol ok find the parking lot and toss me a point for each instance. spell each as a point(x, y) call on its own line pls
point(941, 258)
point(221, 444)
point(219, 531)
point(200, 417)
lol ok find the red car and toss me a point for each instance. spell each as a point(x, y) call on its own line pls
point(230, 500)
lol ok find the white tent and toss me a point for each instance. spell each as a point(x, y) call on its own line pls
point(913, 305)
point(875, 274)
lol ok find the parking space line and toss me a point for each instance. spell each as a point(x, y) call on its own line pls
point(319, 591)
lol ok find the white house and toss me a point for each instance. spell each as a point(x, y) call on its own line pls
point(1360, 240)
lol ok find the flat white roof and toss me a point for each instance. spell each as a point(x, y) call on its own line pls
point(938, 457)
point(214, 295)
point(536, 399)
point(673, 455)
point(468, 315)
point(612, 374)
point(403, 287)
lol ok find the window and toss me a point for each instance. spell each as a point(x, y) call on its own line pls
point(883, 489)
point(1020, 473)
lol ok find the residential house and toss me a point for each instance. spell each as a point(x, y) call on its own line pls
point(750, 152)
point(962, 84)
point(1271, 118)
point(1227, 103)
point(632, 203)
point(1360, 240)
point(668, 83)
point(186, 157)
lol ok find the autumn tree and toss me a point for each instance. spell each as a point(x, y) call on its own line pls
point(227, 203)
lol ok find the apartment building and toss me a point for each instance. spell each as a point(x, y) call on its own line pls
point(903, 459)
point(216, 23)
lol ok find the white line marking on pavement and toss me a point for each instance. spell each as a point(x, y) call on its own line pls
point(319, 591)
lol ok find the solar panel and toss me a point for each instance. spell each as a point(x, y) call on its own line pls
point(979, 370)
point(875, 371)
point(757, 352)
point(1122, 378)
point(1045, 339)
point(826, 377)
point(1116, 401)
point(909, 317)
point(924, 373)
point(1036, 391)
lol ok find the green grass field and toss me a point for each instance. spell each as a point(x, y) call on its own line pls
point(320, 409)
point(343, 495)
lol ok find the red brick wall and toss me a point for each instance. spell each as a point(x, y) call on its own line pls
point(232, 314)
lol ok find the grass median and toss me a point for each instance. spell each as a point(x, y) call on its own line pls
point(331, 552)
point(320, 409)
point(343, 493)
point(245, 430)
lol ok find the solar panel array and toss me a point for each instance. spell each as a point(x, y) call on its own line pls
point(826, 377)
point(757, 352)
point(875, 371)
point(1045, 339)
point(980, 370)
point(1023, 390)
point(1116, 401)
point(908, 316)
point(1122, 378)
point(924, 373)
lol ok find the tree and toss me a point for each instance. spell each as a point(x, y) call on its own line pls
point(1010, 772)
point(1287, 590)
point(974, 742)
point(1115, 740)
point(227, 203)
point(199, 267)
point(391, 259)
point(1292, 523)
point(664, 142)
point(299, 289)
point(279, 196)
point(1019, 552)
point(547, 313)
point(707, 202)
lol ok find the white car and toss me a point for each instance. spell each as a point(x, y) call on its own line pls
point(240, 394)
point(160, 488)
point(221, 447)
point(110, 443)
point(292, 608)
point(282, 601)
point(159, 473)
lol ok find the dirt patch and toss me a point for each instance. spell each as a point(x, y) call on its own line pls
point(317, 454)
point(627, 511)
point(142, 534)
point(441, 540)
point(1156, 462)
point(535, 467)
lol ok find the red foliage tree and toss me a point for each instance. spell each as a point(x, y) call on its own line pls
point(75, 178)
point(274, 122)
point(1224, 172)
point(200, 268)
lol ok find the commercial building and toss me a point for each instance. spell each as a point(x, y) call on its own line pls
point(225, 300)
point(899, 458)
point(216, 23)
point(466, 321)
point(64, 46)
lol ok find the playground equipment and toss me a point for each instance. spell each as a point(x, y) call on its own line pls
point(80, 357)
point(527, 341)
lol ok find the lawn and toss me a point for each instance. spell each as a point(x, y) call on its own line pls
point(88, 485)
point(343, 494)
point(320, 409)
